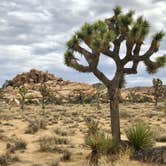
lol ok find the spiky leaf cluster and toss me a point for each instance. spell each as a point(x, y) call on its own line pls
point(140, 136)
point(97, 36)
point(159, 62)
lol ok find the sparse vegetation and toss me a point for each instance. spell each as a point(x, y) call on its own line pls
point(36, 124)
point(6, 159)
point(49, 144)
point(81, 128)
point(16, 144)
point(60, 132)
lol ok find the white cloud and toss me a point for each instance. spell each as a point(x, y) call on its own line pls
point(33, 34)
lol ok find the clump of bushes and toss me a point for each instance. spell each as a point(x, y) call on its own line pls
point(16, 144)
point(36, 124)
point(140, 136)
point(6, 159)
point(49, 144)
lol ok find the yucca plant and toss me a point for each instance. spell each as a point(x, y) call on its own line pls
point(93, 127)
point(140, 136)
point(108, 144)
point(98, 142)
point(94, 142)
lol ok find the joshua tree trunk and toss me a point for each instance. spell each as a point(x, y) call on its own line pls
point(156, 101)
point(22, 104)
point(114, 112)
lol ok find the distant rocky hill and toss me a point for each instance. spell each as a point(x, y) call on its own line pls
point(67, 91)
point(135, 94)
point(34, 76)
point(62, 90)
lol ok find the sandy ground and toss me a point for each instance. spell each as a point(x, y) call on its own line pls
point(71, 120)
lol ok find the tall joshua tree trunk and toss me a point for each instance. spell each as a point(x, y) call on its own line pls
point(114, 112)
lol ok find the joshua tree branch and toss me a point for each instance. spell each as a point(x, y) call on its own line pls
point(102, 77)
point(117, 44)
point(112, 55)
point(79, 67)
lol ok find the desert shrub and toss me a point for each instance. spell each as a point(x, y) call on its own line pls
point(66, 156)
point(59, 131)
point(6, 159)
point(20, 144)
point(36, 124)
point(140, 136)
point(16, 144)
point(49, 144)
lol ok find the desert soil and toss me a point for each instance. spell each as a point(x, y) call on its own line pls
point(70, 119)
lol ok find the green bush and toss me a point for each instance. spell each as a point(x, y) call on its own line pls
point(93, 126)
point(140, 136)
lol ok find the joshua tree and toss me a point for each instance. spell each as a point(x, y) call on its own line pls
point(105, 38)
point(80, 95)
point(158, 89)
point(22, 91)
point(45, 94)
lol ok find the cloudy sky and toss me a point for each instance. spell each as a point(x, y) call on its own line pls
point(33, 34)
